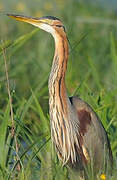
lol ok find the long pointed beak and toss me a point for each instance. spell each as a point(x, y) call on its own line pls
point(30, 20)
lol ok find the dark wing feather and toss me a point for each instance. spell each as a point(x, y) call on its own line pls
point(84, 120)
point(93, 137)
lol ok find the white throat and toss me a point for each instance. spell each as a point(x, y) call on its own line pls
point(47, 28)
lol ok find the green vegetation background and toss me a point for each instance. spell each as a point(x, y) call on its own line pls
point(91, 74)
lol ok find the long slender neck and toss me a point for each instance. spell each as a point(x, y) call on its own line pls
point(63, 132)
point(57, 88)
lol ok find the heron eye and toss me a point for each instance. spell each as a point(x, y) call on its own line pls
point(61, 26)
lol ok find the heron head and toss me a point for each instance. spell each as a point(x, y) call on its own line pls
point(47, 23)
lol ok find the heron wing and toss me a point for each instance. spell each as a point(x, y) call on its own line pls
point(93, 138)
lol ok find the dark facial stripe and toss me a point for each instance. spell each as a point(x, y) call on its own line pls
point(50, 17)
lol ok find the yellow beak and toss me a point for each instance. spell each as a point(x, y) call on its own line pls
point(30, 20)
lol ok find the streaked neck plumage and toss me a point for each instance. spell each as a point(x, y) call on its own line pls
point(60, 108)
point(57, 86)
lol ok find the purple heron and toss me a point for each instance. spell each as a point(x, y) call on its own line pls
point(76, 131)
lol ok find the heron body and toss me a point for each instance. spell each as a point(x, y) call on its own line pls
point(76, 130)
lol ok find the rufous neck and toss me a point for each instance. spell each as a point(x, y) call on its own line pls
point(61, 54)
point(57, 87)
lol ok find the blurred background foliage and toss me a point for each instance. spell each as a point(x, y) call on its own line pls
point(91, 27)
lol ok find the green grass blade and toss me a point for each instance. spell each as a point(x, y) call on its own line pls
point(113, 49)
point(18, 43)
point(94, 73)
point(3, 132)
